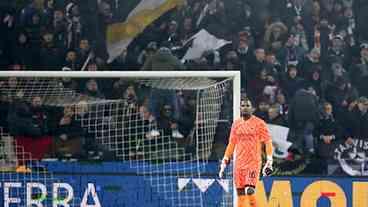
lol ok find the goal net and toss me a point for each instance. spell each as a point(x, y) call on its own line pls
point(26, 180)
point(162, 123)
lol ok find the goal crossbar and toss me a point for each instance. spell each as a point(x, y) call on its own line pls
point(117, 74)
point(235, 75)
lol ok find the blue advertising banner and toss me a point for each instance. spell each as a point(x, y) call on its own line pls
point(118, 185)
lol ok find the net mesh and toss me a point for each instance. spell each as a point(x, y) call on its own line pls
point(130, 131)
point(28, 183)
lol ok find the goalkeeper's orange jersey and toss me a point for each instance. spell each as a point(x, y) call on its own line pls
point(248, 136)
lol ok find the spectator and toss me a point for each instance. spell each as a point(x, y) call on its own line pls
point(281, 103)
point(275, 116)
point(28, 12)
point(340, 93)
point(312, 60)
point(148, 128)
point(119, 86)
point(257, 64)
point(257, 86)
point(168, 124)
point(69, 83)
point(22, 51)
point(130, 95)
point(232, 61)
point(48, 11)
point(147, 53)
point(356, 127)
point(10, 86)
point(149, 123)
point(69, 135)
point(315, 81)
point(29, 126)
point(338, 51)
point(92, 66)
point(271, 88)
point(360, 14)
point(359, 71)
point(34, 30)
point(262, 109)
point(275, 36)
point(4, 108)
point(273, 66)
point(84, 50)
point(50, 55)
point(92, 89)
point(60, 27)
point(74, 25)
point(163, 60)
point(328, 133)
point(186, 115)
point(292, 82)
point(291, 52)
point(335, 72)
point(303, 117)
point(71, 61)
point(187, 30)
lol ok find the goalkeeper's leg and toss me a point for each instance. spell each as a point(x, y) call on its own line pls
point(252, 200)
point(246, 181)
point(246, 196)
point(242, 201)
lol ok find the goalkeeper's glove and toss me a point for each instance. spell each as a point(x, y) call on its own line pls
point(225, 161)
point(267, 168)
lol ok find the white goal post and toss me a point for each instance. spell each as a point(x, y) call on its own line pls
point(182, 76)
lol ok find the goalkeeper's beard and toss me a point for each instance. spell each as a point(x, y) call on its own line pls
point(246, 114)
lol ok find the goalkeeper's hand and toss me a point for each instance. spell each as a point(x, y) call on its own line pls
point(267, 168)
point(225, 161)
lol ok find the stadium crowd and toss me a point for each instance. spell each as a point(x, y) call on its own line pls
point(303, 62)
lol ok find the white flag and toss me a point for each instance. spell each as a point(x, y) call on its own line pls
point(279, 135)
point(203, 41)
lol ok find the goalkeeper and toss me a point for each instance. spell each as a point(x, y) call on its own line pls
point(248, 134)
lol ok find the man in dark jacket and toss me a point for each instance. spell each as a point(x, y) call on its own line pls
point(328, 132)
point(28, 124)
point(357, 124)
point(303, 117)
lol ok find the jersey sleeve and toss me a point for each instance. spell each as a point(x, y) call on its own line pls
point(263, 132)
point(233, 136)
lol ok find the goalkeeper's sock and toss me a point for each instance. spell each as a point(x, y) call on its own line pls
point(252, 200)
point(242, 201)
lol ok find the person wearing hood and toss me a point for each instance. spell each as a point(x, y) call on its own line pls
point(163, 60)
point(93, 90)
point(303, 117)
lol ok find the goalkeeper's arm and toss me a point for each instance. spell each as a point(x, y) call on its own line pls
point(226, 160)
point(267, 168)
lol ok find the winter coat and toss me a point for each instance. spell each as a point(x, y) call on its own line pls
point(303, 108)
point(163, 60)
point(26, 121)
